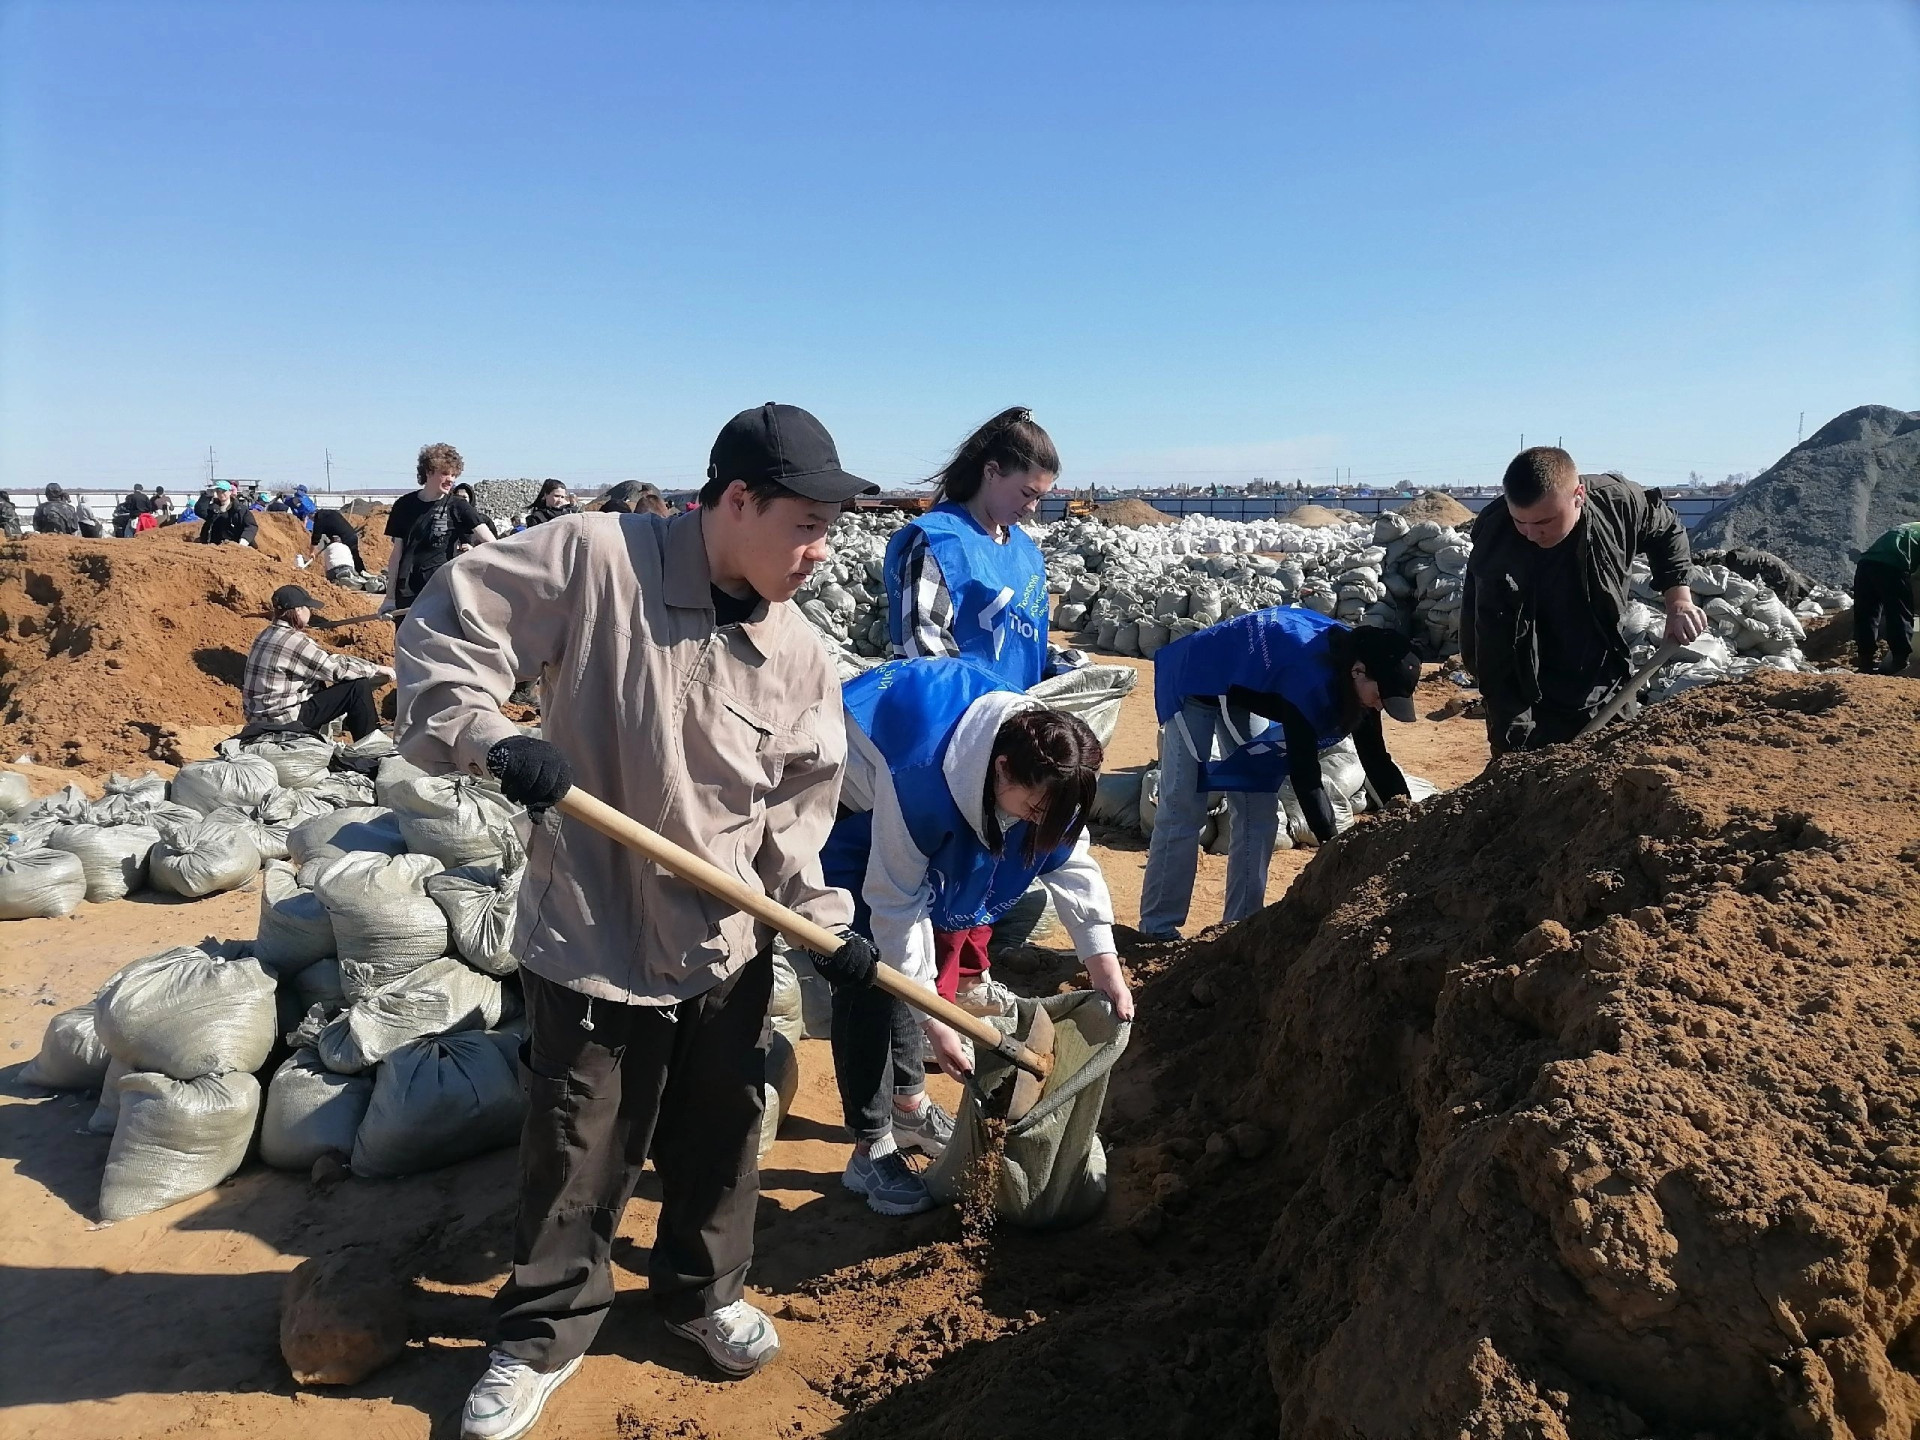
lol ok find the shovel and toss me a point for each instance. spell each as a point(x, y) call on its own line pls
point(318, 624)
point(1672, 650)
point(1033, 1060)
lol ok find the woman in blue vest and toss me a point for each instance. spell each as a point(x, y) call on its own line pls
point(1319, 682)
point(965, 580)
point(960, 790)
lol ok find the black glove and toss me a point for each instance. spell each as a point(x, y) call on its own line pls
point(851, 964)
point(531, 772)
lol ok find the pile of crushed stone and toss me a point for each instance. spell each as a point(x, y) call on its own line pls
point(110, 648)
point(1580, 1103)
point(1831, 496)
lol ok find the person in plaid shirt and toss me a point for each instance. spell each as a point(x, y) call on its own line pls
point(291, 683)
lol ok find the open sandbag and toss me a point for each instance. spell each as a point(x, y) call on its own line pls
point(438, 1100)
point(299, 759)
point(1093, 692)
point(295, 929)
point(382, 914)
point(343, 788)
point(1054, 1170)
point(457, 819)
point(204, 859)
point(354, 828)
point(309, 1111)
point(147, 789)
point(438, 998)
point(38, 884)
point(186, 1013)
point(72, 1054)
point(780, 1087)
point(231, 778)
point(479, 903)
point(68, 803)
point(106, 1114)
point(15, 792)
point(176, 1139)
point(113, 857)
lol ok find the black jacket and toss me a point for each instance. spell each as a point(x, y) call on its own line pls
point(1499, 635)
point(225, 527)
point(56, 517)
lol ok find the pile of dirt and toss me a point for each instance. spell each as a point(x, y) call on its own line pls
point(1132, 512)
point(1314, 516)
point(283, 537)
point(1829, 498)
point(109, 648)
point(1437, 506)
point(1452, 1142)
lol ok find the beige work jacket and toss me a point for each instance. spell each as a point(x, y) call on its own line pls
point(726, 740)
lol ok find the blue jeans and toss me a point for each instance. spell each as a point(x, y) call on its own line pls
point(1173, 855)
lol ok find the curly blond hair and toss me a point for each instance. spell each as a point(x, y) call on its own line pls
point(438, 460)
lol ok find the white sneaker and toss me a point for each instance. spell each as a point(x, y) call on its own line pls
point(509, 1398)
point(928, 1129)
point(737, 1338)
point(987, 997)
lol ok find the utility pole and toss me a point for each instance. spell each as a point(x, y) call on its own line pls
point(209, 464)
point(329, 472)
point(1800, 430)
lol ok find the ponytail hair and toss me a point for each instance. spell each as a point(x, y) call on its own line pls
point(1012, 440)
point(1057, 754)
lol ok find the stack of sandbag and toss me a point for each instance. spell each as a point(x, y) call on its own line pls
point(216, 853)
point(232, 779)
point(187, 1030)
point(1752, 628)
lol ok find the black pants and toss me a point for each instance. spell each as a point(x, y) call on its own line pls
point(350, 698)
point(1882, 608)
point(876, 1055)
point(682, 1084)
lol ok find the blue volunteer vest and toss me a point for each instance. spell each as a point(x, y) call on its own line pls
point(1283, 650)
point(999, 592)
point(909, 710)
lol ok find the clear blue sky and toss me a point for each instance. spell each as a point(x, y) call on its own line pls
point(1203, 242)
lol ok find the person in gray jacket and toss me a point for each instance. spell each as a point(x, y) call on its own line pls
point(681, 687)
point(1546, 586)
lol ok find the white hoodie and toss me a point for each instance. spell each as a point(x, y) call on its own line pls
point(898, 889)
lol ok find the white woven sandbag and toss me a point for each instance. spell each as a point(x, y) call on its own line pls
point(778, 1090)
point(37, 883)
point(318, 984)
point(113, 857)
point(72, 1054)
point(457, 819)
point(68, 803)
point(369, 828)
point(395, 770)
point(203, 859)
point(106, 1114)
point(147, 789)
point(439, 1100)
point(786, 1010)
point(299, 759)
point(295, 928)
point(232, 778)
point(1095, 693)
point(438, 998)
point(479, 902)
point(381, 911)
point(310, 1111)
point(186, 1013)
point(176, 1139)
point(15, 792)
point(343, 788)
point(1116, 800)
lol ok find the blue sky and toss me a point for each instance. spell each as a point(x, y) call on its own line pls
point(1202, 242)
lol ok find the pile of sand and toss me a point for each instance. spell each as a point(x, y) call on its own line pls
point(108, 648)
point(1437, 506)
point(1451, 1141)
point(1826, 500)
point(1132, 512)
point(1314, 516)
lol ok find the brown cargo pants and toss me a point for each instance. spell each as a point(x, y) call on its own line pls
point(682, 1084)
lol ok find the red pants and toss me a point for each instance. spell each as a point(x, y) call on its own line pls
point(959, 955)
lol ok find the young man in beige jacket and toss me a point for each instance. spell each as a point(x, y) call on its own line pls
point(682, 688)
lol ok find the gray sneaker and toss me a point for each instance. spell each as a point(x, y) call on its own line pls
point(928, 1131)
point(737, 1337)
point(892, 1186)
point(986, 997)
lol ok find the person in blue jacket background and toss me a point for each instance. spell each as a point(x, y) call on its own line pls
point(1319, 682)
point(959, 791)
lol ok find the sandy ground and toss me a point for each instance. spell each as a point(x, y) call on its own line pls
point(166, 1325)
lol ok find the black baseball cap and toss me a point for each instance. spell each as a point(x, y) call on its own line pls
point(786, 445)
point(292, 597)
point(1387, 657)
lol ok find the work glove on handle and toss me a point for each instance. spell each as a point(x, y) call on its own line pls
point(852, 964)
point(531, 772)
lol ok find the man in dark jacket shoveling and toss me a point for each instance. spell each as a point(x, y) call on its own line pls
point(1546, 585)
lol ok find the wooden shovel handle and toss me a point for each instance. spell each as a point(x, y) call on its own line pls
point(588, 810)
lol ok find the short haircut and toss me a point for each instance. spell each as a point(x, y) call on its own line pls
point(761, 490)
point(438, 460)
point(1536, 472)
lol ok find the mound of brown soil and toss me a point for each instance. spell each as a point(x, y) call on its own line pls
point(1315, 516)
point(1132, 512)
point(109, 647)
point(282, 537)
point(1591, 1093)
point(1437, 506)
